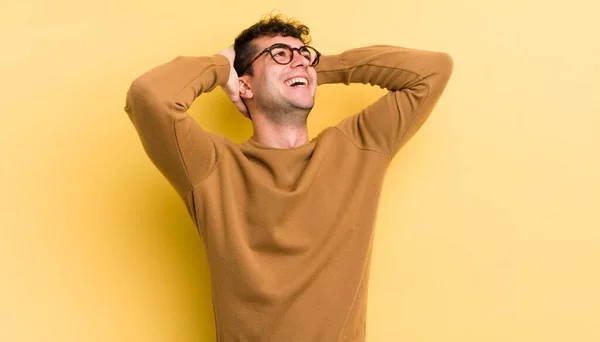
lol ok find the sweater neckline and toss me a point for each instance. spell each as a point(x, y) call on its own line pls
point(253, 143)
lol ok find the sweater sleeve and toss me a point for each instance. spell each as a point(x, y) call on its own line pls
point(415, 80)
point(157, 104)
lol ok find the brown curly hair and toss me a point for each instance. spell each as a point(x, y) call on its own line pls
point(271, 26)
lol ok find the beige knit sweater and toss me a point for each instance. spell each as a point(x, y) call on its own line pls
point(288, 232)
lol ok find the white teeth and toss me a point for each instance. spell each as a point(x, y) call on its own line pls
point(302, 80)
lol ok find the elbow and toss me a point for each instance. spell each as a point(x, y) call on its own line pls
point(135, 95)
point(141, 94)
point(445, 65)
point(139, 89)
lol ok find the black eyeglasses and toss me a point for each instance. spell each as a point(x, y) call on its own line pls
point(284, 54)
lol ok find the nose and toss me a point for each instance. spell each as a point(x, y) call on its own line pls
point(299, 60)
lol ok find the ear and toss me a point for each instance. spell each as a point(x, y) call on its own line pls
point(245, 89)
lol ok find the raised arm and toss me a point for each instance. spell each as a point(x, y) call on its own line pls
point(157, 104)
point(415, 80)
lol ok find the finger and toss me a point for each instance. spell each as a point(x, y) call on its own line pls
point(242, 108)
point(239, 104)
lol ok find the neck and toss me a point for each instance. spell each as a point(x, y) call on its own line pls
point(284, 133)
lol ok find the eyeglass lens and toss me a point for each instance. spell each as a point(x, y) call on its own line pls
point(284, 54)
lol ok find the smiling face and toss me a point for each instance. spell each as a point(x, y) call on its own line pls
point(287, 91)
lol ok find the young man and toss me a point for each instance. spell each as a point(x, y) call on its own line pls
point(287, 223)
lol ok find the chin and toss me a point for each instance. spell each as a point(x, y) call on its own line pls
point(305, 105)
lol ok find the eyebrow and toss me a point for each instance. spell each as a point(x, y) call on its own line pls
point(293, 47)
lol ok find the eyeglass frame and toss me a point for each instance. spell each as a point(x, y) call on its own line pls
point(279, 45)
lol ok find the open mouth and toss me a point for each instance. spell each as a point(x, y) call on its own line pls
point(297, 82)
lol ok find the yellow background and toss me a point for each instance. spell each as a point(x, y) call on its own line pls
point(488, 228)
